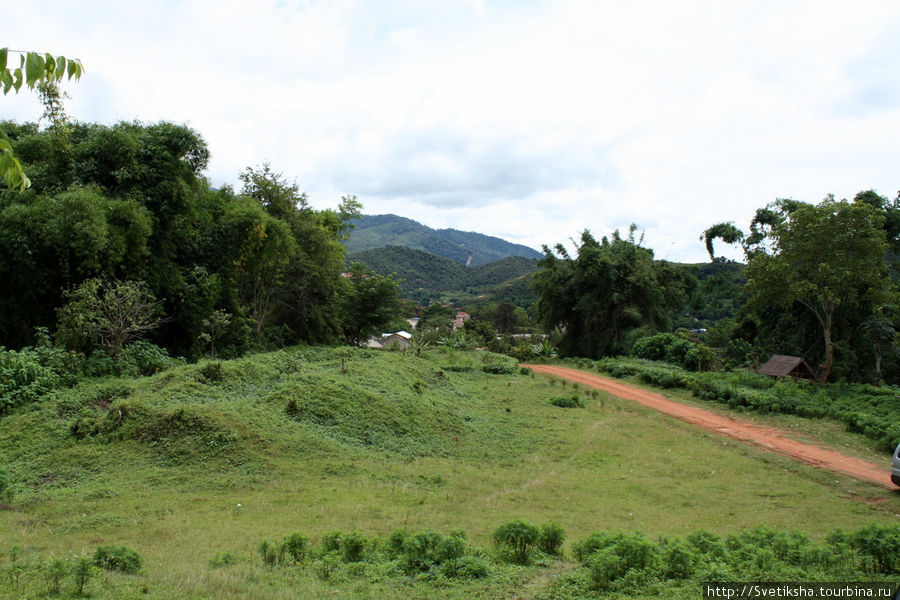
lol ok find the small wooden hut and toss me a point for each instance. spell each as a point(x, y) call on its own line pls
point(782, 365)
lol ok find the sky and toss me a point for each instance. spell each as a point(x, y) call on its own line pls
point(529, 120)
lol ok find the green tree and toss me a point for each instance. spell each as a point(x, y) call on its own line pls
point(436, 315)
point(214, 327)
point(506, 318)
point(108, 315)
point(726, 232)
point(280, 198)
point(369, 304)
point(607, 296)
point(823, 258)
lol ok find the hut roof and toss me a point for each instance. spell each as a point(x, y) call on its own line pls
point(782, 365)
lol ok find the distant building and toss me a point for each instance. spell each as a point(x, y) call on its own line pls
point(782, 365)
point(460, 320)
point(401, 338)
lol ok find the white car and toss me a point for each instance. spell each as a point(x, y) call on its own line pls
point(895, 467)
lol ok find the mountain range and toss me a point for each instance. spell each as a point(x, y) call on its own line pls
point(464, 247)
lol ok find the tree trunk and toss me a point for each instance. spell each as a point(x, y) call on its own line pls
point(877, 364)
point(829, 348)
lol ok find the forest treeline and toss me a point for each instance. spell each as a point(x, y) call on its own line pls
point(820, 282)
point(119, 224)
point(121, 238)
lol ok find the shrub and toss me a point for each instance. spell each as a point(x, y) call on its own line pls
point(679, 560)
point(331, 542)
point(293, 548)
point(499, 369)
point(54, 571)
point(426, 549)
point(117, 558)
point(519, 537)
point(222, 559)
point(707, 544)
point(211, 372)
point(880, 544)
point(466, 567)
point(654, 347)
point(83, 572)
point(268, 552)
point(573, 401)
point(353, 547)
point(23, 379)
point(143, 358)
point(551, 539)
point(605, 566)
point(591, 544)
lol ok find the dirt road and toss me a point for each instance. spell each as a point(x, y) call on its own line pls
point(764, 437)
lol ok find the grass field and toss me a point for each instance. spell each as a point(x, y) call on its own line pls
point(204, 459)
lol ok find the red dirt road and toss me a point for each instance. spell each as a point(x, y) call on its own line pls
point(766, 438)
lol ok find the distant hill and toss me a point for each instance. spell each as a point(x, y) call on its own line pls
point(378, 231)
point(426, 277)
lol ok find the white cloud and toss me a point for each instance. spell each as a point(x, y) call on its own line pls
point(532, 121)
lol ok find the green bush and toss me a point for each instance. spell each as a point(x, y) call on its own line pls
point(605, 566)
point(23, 379)
point(117, 558)
point(353, 547)
point(293, 548)
point(551, 539)
point(573, 401)
point(518, 537)
point(268, 552)
point(466, 567)
point(142, 358)
point(331, 542)
point(679, 560)
point(83, 572)
point(55, 569)
point(222, 559)
point(880, 547)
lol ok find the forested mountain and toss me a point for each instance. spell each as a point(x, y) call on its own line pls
point(377, 231)
point(426, 277)
point(416, 269)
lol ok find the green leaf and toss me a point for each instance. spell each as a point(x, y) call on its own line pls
point(75, 69)
point(34, 69)
point(6, 80)
point(3, 56)
point(60, 67)
point(49, 64)
point(17, 84)
point(11, 169)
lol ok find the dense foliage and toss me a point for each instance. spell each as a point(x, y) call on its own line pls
point(128, 203)
point(606, 297)
point(822, 284)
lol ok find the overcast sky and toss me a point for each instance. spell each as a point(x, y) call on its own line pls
point(528, 120)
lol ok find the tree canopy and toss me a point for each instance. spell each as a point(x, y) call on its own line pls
point(129, 202)
point(608, 295)
point(818, 277)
